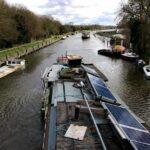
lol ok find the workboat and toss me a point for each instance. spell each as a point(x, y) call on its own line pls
point(146, 70)
point(130, 56)
point(109, 53)
point(115, 51)
point(85, 35)
point(11, 66)
point(81, 112)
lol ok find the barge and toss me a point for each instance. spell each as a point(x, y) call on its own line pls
point(81, 112)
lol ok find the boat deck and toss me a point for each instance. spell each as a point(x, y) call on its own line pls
point(5, 70)
point(65, 117)
point(68, 107)
point(80, 96)
point(91, 140)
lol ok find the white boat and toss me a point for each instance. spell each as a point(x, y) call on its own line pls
point(11, 66)
point(64, 37)
point(130, 56)
point(15, 62)
point(146, 70)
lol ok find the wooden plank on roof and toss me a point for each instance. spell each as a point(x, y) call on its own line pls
point(76, 132)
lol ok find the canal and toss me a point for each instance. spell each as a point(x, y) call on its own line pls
point(21, 92)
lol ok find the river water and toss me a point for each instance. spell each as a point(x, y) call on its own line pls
point(21, 92)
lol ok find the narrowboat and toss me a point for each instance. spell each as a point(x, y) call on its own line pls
point(81, 111)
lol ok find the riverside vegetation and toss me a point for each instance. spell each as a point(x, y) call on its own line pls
point(21, 30)
point(135, 17)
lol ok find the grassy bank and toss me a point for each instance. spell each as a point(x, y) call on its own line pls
point(18, 51)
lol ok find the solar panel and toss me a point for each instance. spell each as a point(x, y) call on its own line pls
point(136, 135)
point(104, 92)
point(131, 128)
point(100, 88)
point(124, 117)
point(95, 80)
point(141, 146)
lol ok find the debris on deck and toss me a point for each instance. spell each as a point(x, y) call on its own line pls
point(76, 132)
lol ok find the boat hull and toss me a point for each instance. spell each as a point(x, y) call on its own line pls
point(147, 73)
point(109, 53)
point(129, 58)
point(85, 37)
point(8, 70)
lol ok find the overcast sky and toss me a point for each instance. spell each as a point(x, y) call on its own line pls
point(75, 11)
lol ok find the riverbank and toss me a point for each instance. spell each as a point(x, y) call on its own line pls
point(25, 49)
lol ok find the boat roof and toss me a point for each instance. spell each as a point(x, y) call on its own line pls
point(85, 100)
point(73, 57)
point(15, 60)
point(128, 126)
point(66, 100)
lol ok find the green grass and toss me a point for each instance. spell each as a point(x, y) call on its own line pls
point(12, 52)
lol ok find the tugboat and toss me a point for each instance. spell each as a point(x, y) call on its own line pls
point(81, 112)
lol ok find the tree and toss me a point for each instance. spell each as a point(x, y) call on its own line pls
point(136, 16)
point(8, 32)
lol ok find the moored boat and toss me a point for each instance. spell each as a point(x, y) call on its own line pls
point(146, 70)
point(81, 111)
point(129, 56)
point(105, 52)
point(115, 51)
point(110, 53)
point(11, 66)
point(85, 35)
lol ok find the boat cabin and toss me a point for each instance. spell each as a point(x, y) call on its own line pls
point(74, 60)
point(15, 62)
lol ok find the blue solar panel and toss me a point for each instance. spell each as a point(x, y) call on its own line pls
point(104, 92)
point(95, 80)
point(141, 146)
point(124, 117)
point(100, 88)
point(136, 135)
point(135, 131)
